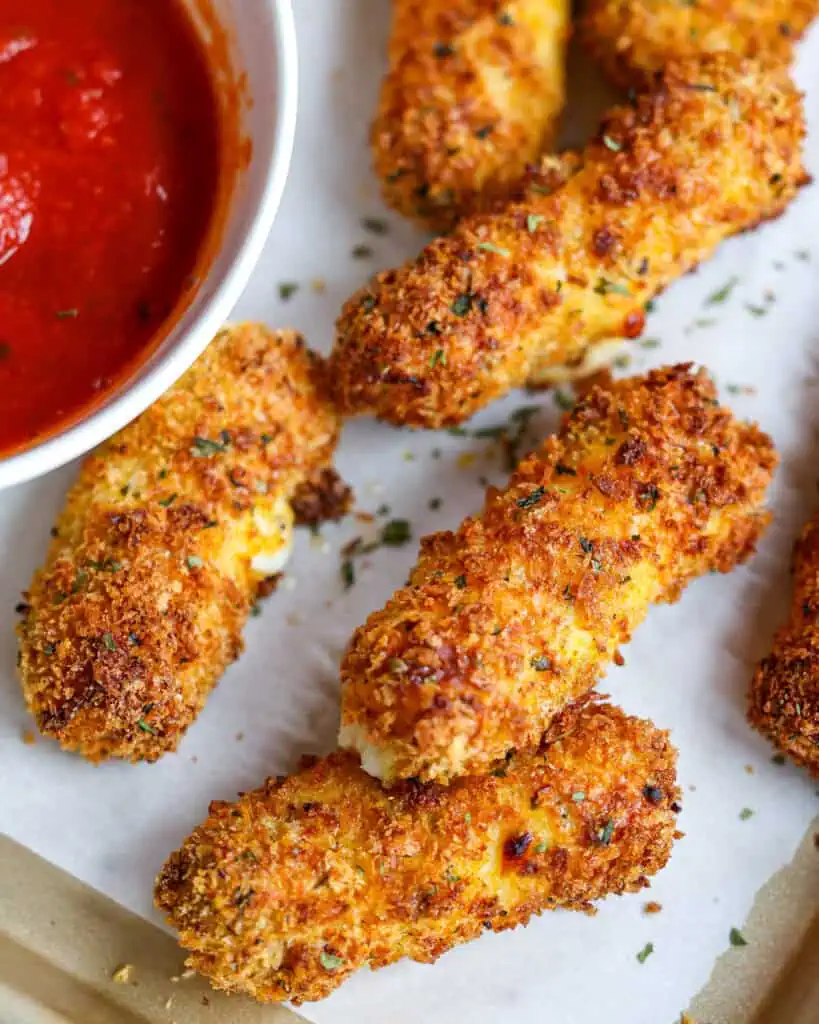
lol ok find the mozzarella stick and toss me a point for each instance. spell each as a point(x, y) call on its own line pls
point(784, 699)
point(635, 38)
point(473, 94)
point(284, 894)
point(505, 622)
point(173, 529)
point(529, 292)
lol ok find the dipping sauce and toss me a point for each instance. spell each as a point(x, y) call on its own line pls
point(109, 175)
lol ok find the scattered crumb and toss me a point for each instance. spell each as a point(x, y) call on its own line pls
point(205, 1001)
point(323, 497)
point(122, 975)
point(28, 737)
point(745, 814)
point(409, 456)
point(652, 907)
point(293, 619)
point(239, 737)
point(320, 543)
point(319, 285)
point(465, 460)
point(365, 517)
point(194, 759)
point(168, 1002)
point(749, 768)
point(692, 788)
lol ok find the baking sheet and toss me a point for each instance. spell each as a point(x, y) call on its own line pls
point(687, 668)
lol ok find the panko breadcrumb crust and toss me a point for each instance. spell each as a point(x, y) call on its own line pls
point(784, 698)
point(635, 38)
point(284, 894)
point(503, 623)
point(473, 94)
point(149, 581)
point(530, 290)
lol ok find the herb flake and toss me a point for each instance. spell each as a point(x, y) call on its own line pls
point(645, 952)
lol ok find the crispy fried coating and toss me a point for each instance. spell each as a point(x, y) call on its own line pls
point(473, 94)
point(524, 294)
point(165, 541)
point(519, 612)
point(635, 38)
point(784, 697)
point(287, 892)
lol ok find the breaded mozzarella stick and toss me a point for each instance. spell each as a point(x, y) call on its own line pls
point(648, 485)
point(635, 38)
point(288, 891)
point(473, 94)
point(784, 699)
point(529, 292)
point(172, 530)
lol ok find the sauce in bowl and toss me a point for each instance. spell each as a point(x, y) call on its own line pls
point(109, 177)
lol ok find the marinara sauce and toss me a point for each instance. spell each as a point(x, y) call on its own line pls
point(109, 172)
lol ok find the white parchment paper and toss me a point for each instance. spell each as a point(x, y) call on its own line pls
point(688, 667)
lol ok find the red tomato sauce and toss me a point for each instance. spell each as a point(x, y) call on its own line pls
point(109, 174)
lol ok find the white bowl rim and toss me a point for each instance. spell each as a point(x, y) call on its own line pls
point(107, 420)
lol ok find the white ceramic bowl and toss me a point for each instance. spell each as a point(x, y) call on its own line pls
point(263, 45)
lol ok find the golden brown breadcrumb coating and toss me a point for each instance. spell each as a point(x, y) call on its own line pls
point(503, 623)
point(473, 94)
point(784, 698)
point(522, 295)
point(284, 894)
point(165, 541)
point(632, 38)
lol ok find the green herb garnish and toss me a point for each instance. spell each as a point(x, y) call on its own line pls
point(645, 952)
point(204, 448)
point(396, 532)
point(491, 247)
point(329, 961)
point(532, 498)
point(375, 225)
point(721, 294)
